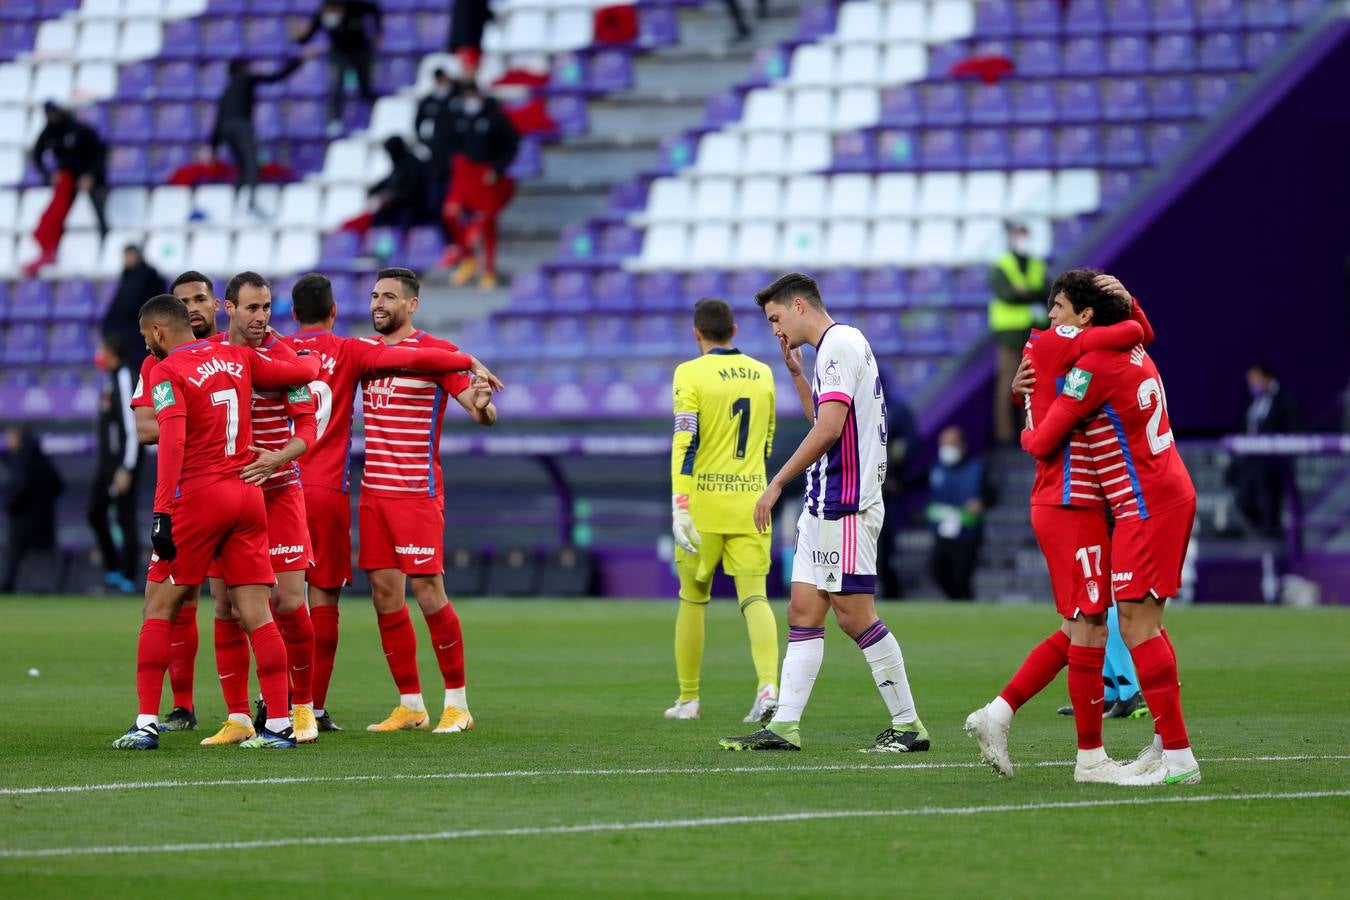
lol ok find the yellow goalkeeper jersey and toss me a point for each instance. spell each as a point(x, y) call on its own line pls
point(724, 423)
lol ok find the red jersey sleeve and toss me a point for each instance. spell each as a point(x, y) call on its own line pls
point(274, 372)
point(1137, 315)
point(141, 396)
point(1077, 401)
point(378, 359)
point(300, 409)
point(170, 402)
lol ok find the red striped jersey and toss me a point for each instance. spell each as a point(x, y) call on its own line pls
point(403, 415)
point(1128, 437)
point(1065, 476)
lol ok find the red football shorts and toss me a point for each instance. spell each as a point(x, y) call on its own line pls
point(287, 530)
point(404, 533)
point(226, 521)
point(330, 533)
point(1077, 550)
point(1148, 553)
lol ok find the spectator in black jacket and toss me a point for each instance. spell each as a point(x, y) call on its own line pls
point(234, 120)
point(1259, 482)
point(484, 145)
point(433, 127)
point(30, 500)
point(78, 150)
point(353, 29)
point(139, 282)
point(403, 197)
point(118, 470)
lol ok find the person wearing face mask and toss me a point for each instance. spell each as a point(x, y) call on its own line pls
point(1018, 283)
point(433, 127)
point(960, 492)
point(353, 30)
point(1258, 481)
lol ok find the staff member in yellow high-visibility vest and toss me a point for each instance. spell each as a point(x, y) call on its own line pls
point(1018, 283)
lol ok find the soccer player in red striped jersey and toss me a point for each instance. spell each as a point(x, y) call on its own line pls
point(326, 467)
point(402, 510)
point(197, 293)
point(1068, 515)
point(1117, 400)
point(203, 507)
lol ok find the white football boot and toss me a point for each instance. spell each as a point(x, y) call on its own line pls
point(687, 709)
point(766, 703)
point(993, 740)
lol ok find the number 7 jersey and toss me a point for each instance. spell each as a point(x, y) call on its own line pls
point(1133, 451)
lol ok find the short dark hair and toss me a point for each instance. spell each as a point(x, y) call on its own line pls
point(786, 287)
point(312, 298)
point(714, 320)
point(116, 342)
point(190, 276)
point(1079, 285)
point(1262, 368)
point(406, 277)
point(251, 279)
point(166, 309)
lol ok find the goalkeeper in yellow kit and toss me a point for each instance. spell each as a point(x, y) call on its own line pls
point(724, 423)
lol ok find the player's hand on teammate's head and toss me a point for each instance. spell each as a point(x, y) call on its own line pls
point(1024, 381)
point(791, 356)
point(1111, 285)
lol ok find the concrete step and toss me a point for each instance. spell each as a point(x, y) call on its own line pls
point(543, 212)
point(596, 161)
point(644, 117)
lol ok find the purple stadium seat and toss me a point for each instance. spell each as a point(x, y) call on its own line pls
point(1032, 148)
point(611, 70)
point(177, 122)
point(614, 290)
point(399, 34)
point(518, 336)
point(814, 21)
point(529, 161)
point(994, 18)
point(571, 289)
point(1125, 145)
point(74, 300)
point(990, 104)
point(1079, 101)
point(211, 79)
point(722, 109)
point(230, 7)
point(883, 332)
point(657, 26)
point(175, 81)
point(986, 47)
point(885, 288)
point(1174, 53)
point(1085, 17)
point(618, 241)
point(311, 79)
point(16, 38)
point(987, 148)
point(599, 373)
point(577, 244)
point(221, 38)
point(1130, 17)
point(1127, 55)
point(1164, 141)
point(651, 334)
point(4, 301)
point(1261, 46)
point(1220, 51)
point(943, 148)
point(181, 41)
point(128, 165)
point(678, 151)
point(1084, 56)
point(136, 81)
point(70, 342)
point(18, 10)
point(530, 292)
point(767, 65)
point(304, 119)
point(1173, 15)
point(704, 283)
point(971, 287)
point(609, 334)
point(50, 9)
point(430, 31)
point(1219, 14)
point(271, 124)
point(1069, 232)
point(568, 73)
point(1040, 17)
point(1212, 92)
point(931, 285)
point(383, 243)
point(1303, 11)
point(901, 106)
point(266, 36)
point(1117, 185)
point(1034, 103)
point(966, 326)
point(338, 250)
point(1126, 100)
point(628, 196)
point(1078, 146)
point(942, 57)
point(842, 287)
point(25, 343)
point(422, 246)
point(30, 301)
point(569, 113)
point(745, 282)
point(1038, 57)
point(1172, 98)
point(659, 290)
point(924, 329)
point(1267, 14)
point(944, 104)
point(854, 151)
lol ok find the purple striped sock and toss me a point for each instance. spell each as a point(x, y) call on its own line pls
point(874, 632)
point(796, 633)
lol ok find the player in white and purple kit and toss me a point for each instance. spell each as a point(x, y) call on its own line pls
point(835, 567)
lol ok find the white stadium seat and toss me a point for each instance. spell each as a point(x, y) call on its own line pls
point(571, 29)
point(9, 266)
point(209, 251)
point(936, 243)
point(906, 20)
point(82, 213)
point(802, 243)
point(892, 243)
point(176, 9)
point(985, 194)
point(98, 40)
point(393, 115)
point(856, 107)
point(981, 240)
point(78, 253)
point(859, 21)
point(141, 39)
point(711, 245)
point(126, 207)
point(850, 196)
point(765, 153)
point(525, 30)
point(811, 108)
point(809, 152)
point(11, 164)
point(346, 161)
point(54, 81)
point(255, 249)
point(812, 64)
point(31, 207)
point(1030, 193)
point(101, 9)
point(170, 206)
point(756, 244)
point(846, 244)
point(340, 203)
point(939, 194)
point(1077, 191)
point(55, 39)
point(858, 64)
point(167, 251)
point(9, 209)
point(300, 204)
point(806, 197)
point(719, 153)
point(715, 199)
point(94, 81)
point(109, 261)
point(761, 198)
point(298, 250)
point(766, 109)
point(896, 195)
point(215, 204)
point(15, 79)
point(904, 63)
point(664, 246)
point(950, 20)
point(670, 199)
point(13, 124)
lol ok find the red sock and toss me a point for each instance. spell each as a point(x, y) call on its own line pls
point(400, 649)
point(1156, 667)
point(183, 641)
point(232, 665)
point(270, 651)
point(298, 632)
point(325, 619)
point(1038, 669)
point(448, 640)
point(152, 659)
point(1086, 693)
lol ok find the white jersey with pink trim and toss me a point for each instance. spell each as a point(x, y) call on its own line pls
point(847, 479)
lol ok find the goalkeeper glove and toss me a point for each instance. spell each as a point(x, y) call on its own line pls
point(161, 537)
point(682, 524)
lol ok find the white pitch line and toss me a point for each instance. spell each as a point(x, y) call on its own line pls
point(652, 825)
point(569, 773)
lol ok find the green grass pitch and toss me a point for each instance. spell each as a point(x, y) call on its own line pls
point(573, 785)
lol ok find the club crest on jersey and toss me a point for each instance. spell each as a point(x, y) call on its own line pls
point(831, 375)
point(163, 396)
point(379, 392)
point(1092, 591)
point(1068, 331)
point(1076, 383)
